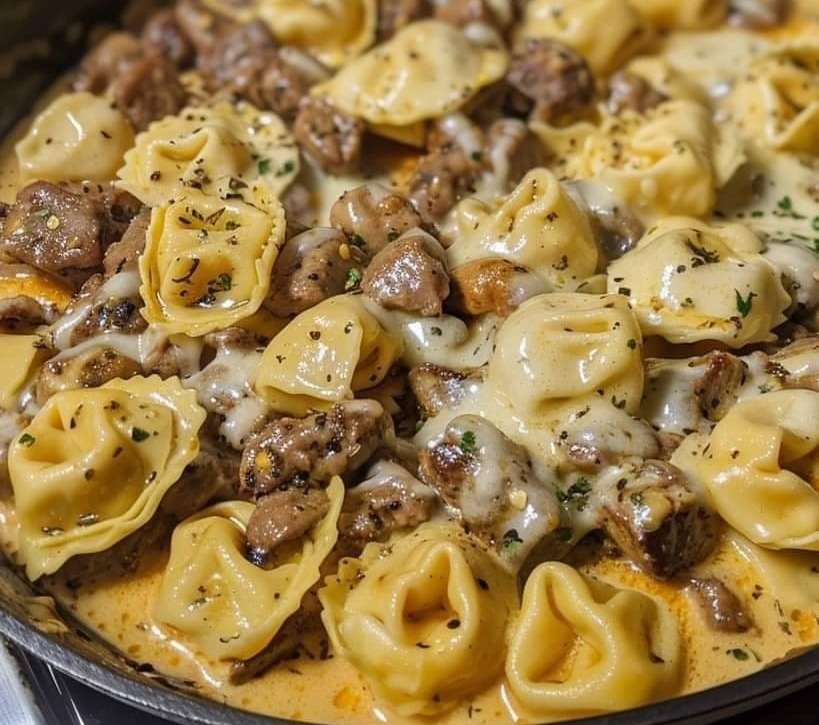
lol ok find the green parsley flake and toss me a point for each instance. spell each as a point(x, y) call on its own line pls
point(468, 442)
point(288, 167)
point(738, 654)
point(225, 281)
point(139, 434)
point(353, 279)
point(577, 495)
point(26, 440)
point(264, 166)
point(744, 305)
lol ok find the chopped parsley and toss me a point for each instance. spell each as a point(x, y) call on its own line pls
point(738, 654)
point(815, 223)
point(476, 156)
point(744, 305)
point(636, 499)
point(26, 440)
point(353, 279)
point(632, 344)
point(577, 495)
point(785, 203)
point(511, 542)
point(139, 434)
point(264, 166)
point(357, 240)
point(286, 168)
point(468, 442)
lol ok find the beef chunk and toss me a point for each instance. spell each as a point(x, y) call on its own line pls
point(23, 314)
point(390, 499)
point(124, 254)
point(313, 449)
point(331, 138)
point(395, 14)
point(284, 516)
point(147, 90)
point(463, 12)
point(492, 285)
point(436, 388)
point(311, 267)
point(628, 91)
point(722, 608)
point(409, 274)
point(106, 62)
point(617, 230)
point(657, 519)
point(758, 14)
point(163, 35)
point(489, 479)
point(548, 80)
point(54, 229)
point(512, 150)
point(372, 215)
point(90, 369)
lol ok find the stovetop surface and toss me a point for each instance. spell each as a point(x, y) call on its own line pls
point(61, 700)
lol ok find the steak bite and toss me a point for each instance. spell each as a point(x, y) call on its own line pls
point(437, 388)
point(330, 137)
point(311, 450)
point(492, 285)
point(409, 274)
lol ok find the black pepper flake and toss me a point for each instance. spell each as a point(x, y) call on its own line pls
point(482, 583)
point(315, 335)
point(453, 623)
point(139, 434)
point(89, 474)
point(156, 175)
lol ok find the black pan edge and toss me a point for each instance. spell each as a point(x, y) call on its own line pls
point(699, 708)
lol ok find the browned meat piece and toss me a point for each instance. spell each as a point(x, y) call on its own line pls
point(441, 179)
point(719, 385)
point(123, 255)
point(463, 12)
point(163, 35)
point(788, 364)
point(372, 215)
point(628, 91)
point(332, 138)
point(310, 268)
point(617, 230)
point(489, 479)
point(23, 314)
point(147, 90)
point(511, 150)
point(199, 24)
point(90, 369)
point(313, 449)
point(657, 519)
point(409, 274)
point(436, 388)
point(107, 61)
point(722, 608)
point(283, 516)
point(492, 285)
point(113, 315)
point(759, 14)
point(395, 14)
point(391, 498)
point(548, 80)
point(56, 230)
point(667, 444)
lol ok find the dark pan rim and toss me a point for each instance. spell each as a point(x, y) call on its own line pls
point(694, 709)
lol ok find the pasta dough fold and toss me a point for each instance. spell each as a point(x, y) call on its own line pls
point(94, 464)
point(582, 647)
point(423, 618)
point(760, 468)
point(22, 355)
point(226, 605)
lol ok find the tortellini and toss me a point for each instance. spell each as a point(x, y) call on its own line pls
point(557, 349)
point(776, 101)
point(538, 226)
point(423, 618)
point(22, 354)
point(670, 160)
point(688, 281)
point(582, 647)
point(78, 137)
point(207, 262)
point(760, 467)
point(426, 70)
point(230, 151)
point(688, 14)
point(228, 607)
point(578, 23)
point(94, 464)
point(324, 355)
point(333, 30)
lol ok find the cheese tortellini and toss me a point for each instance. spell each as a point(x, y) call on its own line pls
point(207, 262)
point(94, 465)
point(22, 354)
point(581, 646)
point(670, 160)
point(324, 355)
point(538, 226)
point(776, 101)
point(333, 30)
point(760, 467)
point(578, 23)
point(688, 281)
point(687, 14)
point(78, 137)
point(230, 151)
point(557, 349)
point(228, 607)
point(423, 618)
point(427, 70)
